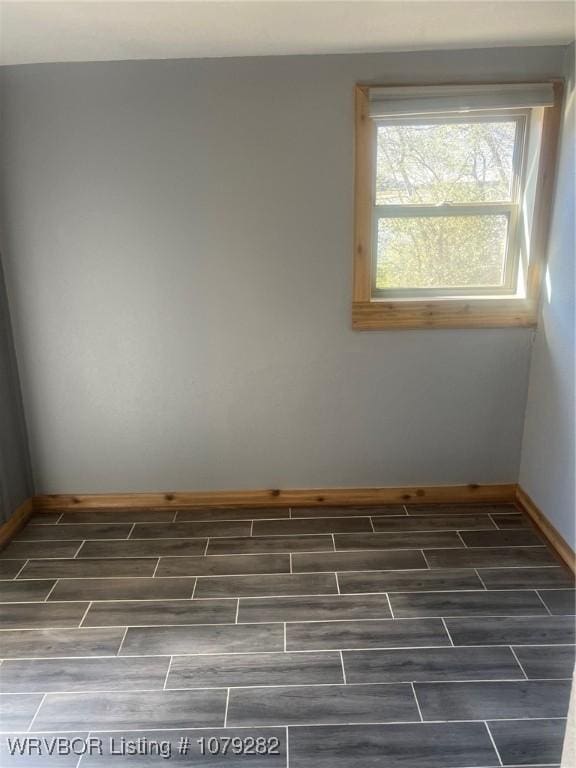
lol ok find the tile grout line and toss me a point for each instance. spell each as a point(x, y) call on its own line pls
point(354, 570)
point(52, 590)
point(425, 559)
point(324, 724)
point(75, 556)
point(194, 589)
point(285, 551)
point(543, 603)
point(367, 514)
point(284, 637)
point(196, 555)
point(343, 668)
point(477, 572)
point(493, 742)
point(364, 620)
point(357, 532)
point(510, 569)
point(389, 604)
point(518, 662)
point(290, 561)
point(287, 748)
point(337, 582)
point(87, 741)
point(397, 547)
point(447, 632)
point(36, 713)
point(302, 653)
point(493, 521)
point(85, 614)
point(372, 524)
point(226, 710)
point(20, 571)
point(461, 539)
point(206, 547)
point(155, 569)
point(417, 702)
point(333, 542)
point(251, 528)
point(237, 609)
point(268, 688)
point(122, 641)
point(264, 595)
point(167, 673)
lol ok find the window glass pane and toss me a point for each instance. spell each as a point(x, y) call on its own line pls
point(441, 251)
point(453, 162)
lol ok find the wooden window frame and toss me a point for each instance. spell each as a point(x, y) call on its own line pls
point(369, 313)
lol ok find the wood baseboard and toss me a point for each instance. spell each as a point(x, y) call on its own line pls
point(554, 538)
point(431, 494)
point(447, 494)
point(15, 522)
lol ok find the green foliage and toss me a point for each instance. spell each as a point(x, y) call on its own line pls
point(441, 251)
point(443, 163)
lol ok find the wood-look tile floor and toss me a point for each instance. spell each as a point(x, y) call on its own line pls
point(390, 637)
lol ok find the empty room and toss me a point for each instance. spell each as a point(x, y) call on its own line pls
point(287, 400)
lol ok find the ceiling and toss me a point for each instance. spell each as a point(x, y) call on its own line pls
point(87, 30)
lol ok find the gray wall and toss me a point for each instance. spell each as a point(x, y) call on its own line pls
point(548, 460)
point(15, 476)
point(178, 238)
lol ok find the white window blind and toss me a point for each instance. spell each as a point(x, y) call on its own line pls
point(434, 99)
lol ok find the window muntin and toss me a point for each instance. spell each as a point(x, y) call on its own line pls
point(446, 193)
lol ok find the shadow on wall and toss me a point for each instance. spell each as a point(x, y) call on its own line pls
point(548, 446)
point(15, 474)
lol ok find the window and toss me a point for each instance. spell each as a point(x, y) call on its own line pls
point(452, 186)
